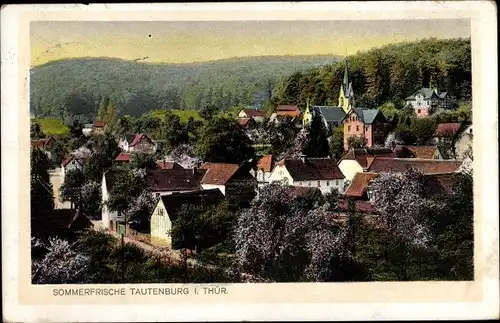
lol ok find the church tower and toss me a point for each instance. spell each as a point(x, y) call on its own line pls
point(346, 95)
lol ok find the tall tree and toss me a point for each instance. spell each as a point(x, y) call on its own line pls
point(223, 140)
point(36, 131)
point(41, 192)
point(317, 142)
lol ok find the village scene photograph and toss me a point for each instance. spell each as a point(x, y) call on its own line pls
point(251, 151)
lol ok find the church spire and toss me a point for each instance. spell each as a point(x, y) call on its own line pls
point(346, 75)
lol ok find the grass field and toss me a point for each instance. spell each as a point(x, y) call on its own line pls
point(52, 127)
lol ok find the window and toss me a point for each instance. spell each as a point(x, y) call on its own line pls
point(319, 183)
point(309, 183)
point(157, 195)
point(348, 128)
point(337, 182)
point(160, 211)
point(357, 128)
point(366, 128)
point(418, 110)
point(327, 183)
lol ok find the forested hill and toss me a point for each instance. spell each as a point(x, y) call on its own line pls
point(387, 74)
point(77, 86)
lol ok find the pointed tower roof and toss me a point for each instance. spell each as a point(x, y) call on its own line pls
point(346, 73)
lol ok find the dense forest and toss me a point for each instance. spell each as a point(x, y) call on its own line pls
point(74, 87)
point(387, 74)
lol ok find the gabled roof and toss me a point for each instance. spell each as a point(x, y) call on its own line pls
point(365, 156)
point(99, 124)
point(164, 180)
point(138, 138)
point(330, 113)
point(447, 129)
point(162, 164)
point(423, 152)
point(218, 173)
point(359, 184)
point(266, 163)
point(366, 115)
point(426, 166)
point(427, 93)
point(243, 121)
point(173, 202)
point(61, 219)
point(123, 157)
point(253, 112)
point(312, 169)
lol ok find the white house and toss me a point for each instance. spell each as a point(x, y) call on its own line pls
point(137, 143)
point(109, 218)
point(359, 160)
point(256, 114)
point(426, 99)
point(322, 173)
point(167, 209)
point(263, 170)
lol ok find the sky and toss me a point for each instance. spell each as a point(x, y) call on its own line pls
point(184, 42)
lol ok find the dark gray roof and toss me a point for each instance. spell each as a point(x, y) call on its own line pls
point(330, 113)
point(427, 93)
point(366, 115)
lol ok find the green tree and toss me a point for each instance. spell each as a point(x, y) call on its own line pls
point(317, 142)
point(354, 142)
point(207, 112)
point(128, 185)
point(41, 192)
point(95, 166)
point(143, 160)
point(71, 189)
point(223, 140)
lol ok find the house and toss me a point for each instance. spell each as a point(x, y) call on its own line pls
point(426, 166)
point(358, 189)
point(76, 160)
point(137, 143)
point(87, 129)
point(230, 179)
point(463, 144)
point(368, 124)
point(109, 219)
point(332, 116)
point(285, 111)
point(255, 114)
point(167, 181)
point(43, 144)
point(422, 152)
point(309, 172)
point(168, 207)
point(446, 136)
point(359, 160)
point(262, 171)
point(99, 127)
point(426, 101)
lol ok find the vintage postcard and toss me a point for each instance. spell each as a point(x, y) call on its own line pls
point(250, 161)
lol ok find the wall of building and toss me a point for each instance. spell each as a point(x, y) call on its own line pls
point(161, 224)
point(353, 126)
point(279, 173)
point(221, 188)
point(349, 168)
point(325, 187)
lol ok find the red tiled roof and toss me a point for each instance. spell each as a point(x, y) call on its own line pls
point(359, 183)
point(99, 124)
point(312, 169)
point(447, 129)
point(124, 157)
point(287, 107)
point(67, 160)
point(174, 179)
point(266, 163)
point(437, 184)
point(426, 166)
point(254, 113)
point(423, 152)
point(366, 156)
point(138, 138)
point(168, 165)
point(291, 114)
point(218, 173)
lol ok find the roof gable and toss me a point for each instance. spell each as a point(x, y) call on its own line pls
point(266, 163)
